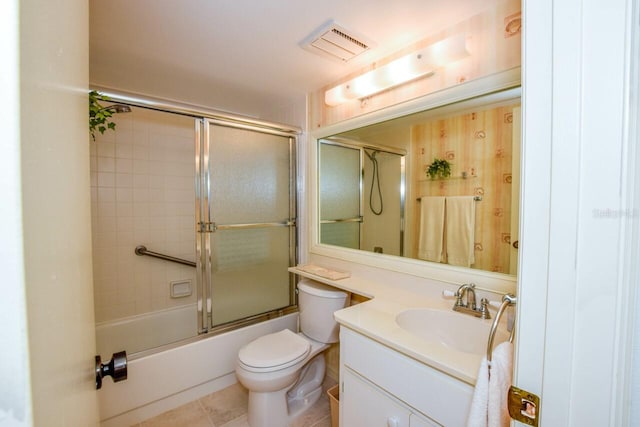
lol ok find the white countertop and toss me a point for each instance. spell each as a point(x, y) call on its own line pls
point(376, 319)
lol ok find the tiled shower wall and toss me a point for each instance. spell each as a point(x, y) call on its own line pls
point(142, 193)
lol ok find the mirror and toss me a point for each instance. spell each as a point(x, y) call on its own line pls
point(375, 193)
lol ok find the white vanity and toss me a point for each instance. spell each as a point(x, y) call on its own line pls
point(380, 386)
point(394, 375)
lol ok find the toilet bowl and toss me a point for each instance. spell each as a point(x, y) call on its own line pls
point(284, 371)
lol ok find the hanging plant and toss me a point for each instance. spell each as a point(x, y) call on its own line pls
point(440, 168)
point(99, 116)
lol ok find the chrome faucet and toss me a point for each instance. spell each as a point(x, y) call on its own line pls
point(468, 290)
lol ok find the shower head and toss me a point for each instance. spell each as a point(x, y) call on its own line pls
point(371, 156)
point(118, 108)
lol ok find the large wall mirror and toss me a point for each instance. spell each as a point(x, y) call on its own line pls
point(375, 193)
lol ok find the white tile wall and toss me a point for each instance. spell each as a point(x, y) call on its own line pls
point(142, 190)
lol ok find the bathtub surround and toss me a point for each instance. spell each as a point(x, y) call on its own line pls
point(142, 192)
point(146, 331)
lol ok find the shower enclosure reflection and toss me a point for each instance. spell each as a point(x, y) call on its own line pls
point(479, 138)
point(360, 205)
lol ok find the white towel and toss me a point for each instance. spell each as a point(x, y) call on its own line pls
point(478, 412)
point(489, 403)
point(431, 237)
point(499, 383)
point(460, 230)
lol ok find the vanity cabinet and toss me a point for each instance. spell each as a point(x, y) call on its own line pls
point(368, 405)
point(381, 387)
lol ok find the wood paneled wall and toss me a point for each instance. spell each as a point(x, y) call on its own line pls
point(477, 143)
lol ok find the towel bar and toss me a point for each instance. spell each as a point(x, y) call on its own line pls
point(476, 198)
point(507, 300)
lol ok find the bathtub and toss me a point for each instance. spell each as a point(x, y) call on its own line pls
point(146, 331)
point(167, 379)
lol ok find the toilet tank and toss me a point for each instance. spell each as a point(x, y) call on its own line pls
point(317, 303)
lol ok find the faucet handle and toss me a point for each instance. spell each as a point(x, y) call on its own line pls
point(448, 294)
point(484, 309)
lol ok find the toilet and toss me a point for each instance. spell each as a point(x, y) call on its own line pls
point(283, 371)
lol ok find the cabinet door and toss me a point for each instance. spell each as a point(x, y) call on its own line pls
point(364, 405)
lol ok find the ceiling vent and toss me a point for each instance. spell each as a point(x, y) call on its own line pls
point(336, 42)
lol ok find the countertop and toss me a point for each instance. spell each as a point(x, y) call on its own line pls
point(375, 319)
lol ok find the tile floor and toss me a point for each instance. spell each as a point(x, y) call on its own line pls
point(228, 408)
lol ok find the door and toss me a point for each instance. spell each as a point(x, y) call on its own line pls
point(576, 231)
point(515, 194)
point(340, 195)
point(47, 361)
point(251, 215)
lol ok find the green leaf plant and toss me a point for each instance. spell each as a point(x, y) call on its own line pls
point(99, 116)
point(440, 168)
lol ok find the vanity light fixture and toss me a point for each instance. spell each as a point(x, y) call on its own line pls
point(399, 71)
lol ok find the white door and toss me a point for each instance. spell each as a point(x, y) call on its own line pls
point(47, 236)
point(573, 306)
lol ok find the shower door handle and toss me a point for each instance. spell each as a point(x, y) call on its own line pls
point(116, 368)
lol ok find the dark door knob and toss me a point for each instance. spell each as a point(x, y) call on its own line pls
point(515, 244)
point(116, 368)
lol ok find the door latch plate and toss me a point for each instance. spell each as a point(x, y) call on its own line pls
point(524, 406)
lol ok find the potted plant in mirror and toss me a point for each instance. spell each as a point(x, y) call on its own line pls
point(439, 169)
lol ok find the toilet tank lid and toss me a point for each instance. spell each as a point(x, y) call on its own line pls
point(320, 289)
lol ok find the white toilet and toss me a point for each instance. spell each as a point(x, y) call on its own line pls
point(283, 371)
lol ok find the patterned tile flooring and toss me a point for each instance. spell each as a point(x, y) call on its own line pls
point(228, 408)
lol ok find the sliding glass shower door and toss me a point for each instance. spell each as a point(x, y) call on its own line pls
point(247, 222)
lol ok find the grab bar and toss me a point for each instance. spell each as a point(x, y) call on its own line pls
point(142, 250)
point(507, 300)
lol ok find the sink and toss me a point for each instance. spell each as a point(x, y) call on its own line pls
point(458, 331)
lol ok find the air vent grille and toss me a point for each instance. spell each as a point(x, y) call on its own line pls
point(349, 38)
point(336, 42)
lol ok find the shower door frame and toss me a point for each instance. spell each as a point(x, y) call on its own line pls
point(361, 146)
point(205, 226)
point(200, 115)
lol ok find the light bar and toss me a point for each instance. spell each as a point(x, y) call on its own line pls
point(402, 70)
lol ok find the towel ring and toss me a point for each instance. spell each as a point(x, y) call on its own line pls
point(507, 300)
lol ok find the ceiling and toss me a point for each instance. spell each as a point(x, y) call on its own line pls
point(244, 56)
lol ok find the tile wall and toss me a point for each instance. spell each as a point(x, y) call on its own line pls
point(142, 193)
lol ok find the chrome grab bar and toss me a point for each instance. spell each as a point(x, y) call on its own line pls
point(507, 300)
point(142, 250)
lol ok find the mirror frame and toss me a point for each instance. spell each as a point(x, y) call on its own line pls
point(498, 282)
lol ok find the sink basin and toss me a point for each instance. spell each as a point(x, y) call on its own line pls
point(458, 331)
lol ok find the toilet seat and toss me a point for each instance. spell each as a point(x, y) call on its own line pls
point(274, 351)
